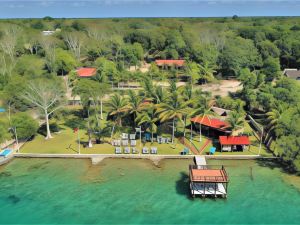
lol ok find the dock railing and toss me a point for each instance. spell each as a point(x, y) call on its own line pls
point(223, 178)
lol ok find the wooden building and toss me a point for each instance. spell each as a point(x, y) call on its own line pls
point(234, 143)
point(208, 181)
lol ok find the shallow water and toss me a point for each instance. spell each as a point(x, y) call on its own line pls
point(120, 191)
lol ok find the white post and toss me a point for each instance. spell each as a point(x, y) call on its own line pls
point(140, 136)
point(200, 132)
point(17, 141)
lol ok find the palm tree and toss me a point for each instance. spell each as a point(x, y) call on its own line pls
point(174, 110)
point(160, 95)
point(206, 72)
point(235, 120)
point(148, 118)
point(134, 104)
point(202, 107)
point(117, 106)
point(273, 117)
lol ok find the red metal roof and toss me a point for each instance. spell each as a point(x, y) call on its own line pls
point(208, 175)
point(234, 140)
point(86, 72)
point(211, 122)
point(170, 62)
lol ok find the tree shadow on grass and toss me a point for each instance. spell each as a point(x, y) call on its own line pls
point(182, 185)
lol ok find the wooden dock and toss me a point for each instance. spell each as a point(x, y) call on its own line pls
point(207, 180)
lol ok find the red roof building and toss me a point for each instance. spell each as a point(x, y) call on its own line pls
point(234, 140)
point(211, 122)
point(170, 62)
point(229, 143)
point(86, 72)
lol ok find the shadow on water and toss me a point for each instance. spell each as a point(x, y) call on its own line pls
point(276, 164)
point(38, 166)
point(182, 185)
point(13, 199)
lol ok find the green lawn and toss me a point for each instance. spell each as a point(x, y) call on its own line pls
point(65, 142)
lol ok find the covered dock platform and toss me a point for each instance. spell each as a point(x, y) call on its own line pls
point(208, 181)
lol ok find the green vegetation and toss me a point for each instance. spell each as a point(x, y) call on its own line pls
point(38, 76)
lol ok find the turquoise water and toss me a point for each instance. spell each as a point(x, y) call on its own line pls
point(119, 191)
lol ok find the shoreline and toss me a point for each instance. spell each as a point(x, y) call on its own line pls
point(97, 158)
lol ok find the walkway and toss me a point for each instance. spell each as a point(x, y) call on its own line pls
point(190, 146)
point(208, 141)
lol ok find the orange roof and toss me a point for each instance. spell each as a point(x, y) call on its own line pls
point(211, 122)
point(208, 175)
point(234, 140)
point(86, 72)
point(170, 62)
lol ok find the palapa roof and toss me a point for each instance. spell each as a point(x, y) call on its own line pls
point(234, 140)
point(86, 71)
point(170, 62)
point(211, 122)
point(220, 111)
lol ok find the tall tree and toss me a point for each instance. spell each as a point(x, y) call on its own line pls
point(47, 95)
point(173, 110)
point(117, 107)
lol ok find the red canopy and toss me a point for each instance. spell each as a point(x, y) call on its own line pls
point(234, 140)
point(170, 62)
point(86, 72)
point(211, 122)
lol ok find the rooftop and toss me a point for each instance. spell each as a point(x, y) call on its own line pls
point(208, 175)
point(292, 73)
point(234, 140)
point(86, 71)
point(211, 122)
point(170, 62)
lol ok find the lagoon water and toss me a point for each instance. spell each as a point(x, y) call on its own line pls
point(122, 191)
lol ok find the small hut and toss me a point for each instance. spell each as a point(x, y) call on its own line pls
point(234, 143)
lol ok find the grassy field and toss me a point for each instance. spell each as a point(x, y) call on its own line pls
point(66, 142)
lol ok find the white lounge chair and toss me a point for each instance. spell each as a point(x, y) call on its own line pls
point(133, 142)
point(153, 150)
point(124, 136)
point(118, 150)
point(124, 142)
point(134, 150)
point(145, 150)
point(127, 150)
point(132, 136)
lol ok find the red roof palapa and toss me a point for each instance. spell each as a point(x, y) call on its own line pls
point(234, 140)
point(170, 62)
point(86, 72)
point(211, 122)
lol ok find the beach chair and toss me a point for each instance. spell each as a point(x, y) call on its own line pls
point(134, 150)
point(145, 150)
point(132, 136)
point(124, 142)
point(124, 136)
point(153, 150)
point(133, 142)
point(159, 140)
point(127, 150)
point(212, 150)
point(118, 150)
point(6, 152)
point(163, 140)
point(168, 140)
